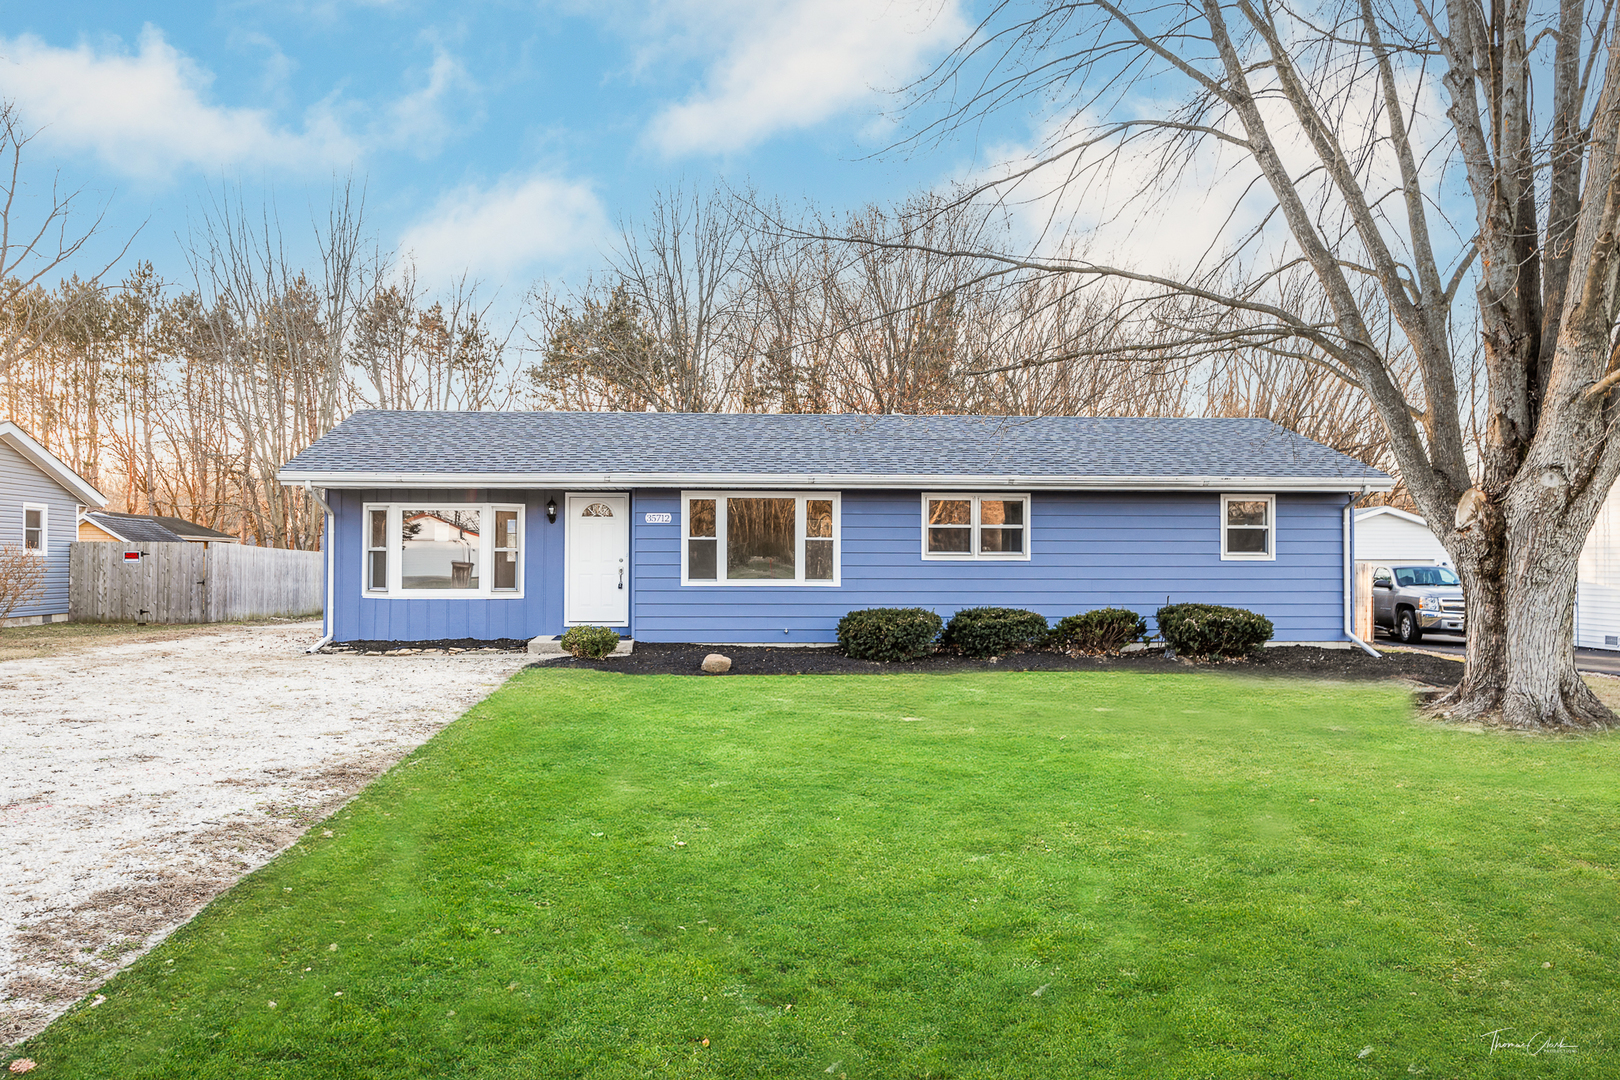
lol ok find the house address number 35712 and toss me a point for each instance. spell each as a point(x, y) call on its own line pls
point(660, 519)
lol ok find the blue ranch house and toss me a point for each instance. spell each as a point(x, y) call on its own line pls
point(767, 529)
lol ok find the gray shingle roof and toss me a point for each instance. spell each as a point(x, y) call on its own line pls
point(154, 528)
point(134, 528)
point(629, 448)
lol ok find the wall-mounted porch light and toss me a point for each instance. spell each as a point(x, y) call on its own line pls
point(551, 511)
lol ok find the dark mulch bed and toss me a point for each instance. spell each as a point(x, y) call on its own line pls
point(1289, 662)
point(440, 645)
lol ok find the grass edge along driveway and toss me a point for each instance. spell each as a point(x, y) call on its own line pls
point(986, 875)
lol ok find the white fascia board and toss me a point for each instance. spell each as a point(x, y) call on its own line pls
point(738, 481)
point(49, 464)
point(1390, 511)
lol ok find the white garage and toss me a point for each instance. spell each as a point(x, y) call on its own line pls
point(1385, 535)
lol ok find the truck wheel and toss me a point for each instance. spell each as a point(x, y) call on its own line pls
point(1407, 628)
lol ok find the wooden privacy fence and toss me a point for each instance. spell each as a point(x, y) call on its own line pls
point(187, 583)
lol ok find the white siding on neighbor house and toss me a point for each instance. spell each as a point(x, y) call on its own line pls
point(1597, 616)
point(1597, 577)
point(1600, 558)
point(1385, 539)
point(21, 482)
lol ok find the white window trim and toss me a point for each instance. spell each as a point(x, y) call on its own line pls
point(44, 528)
point(799, 581)
point(974, 554)
point(389, 555)
point(486, 552)
point(1271, 529)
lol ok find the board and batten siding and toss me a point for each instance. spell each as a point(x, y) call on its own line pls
point(21, 482)
point(1088, 550)
point(539, 610)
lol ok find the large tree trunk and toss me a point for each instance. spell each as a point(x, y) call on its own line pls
point(1518, 554)
point(1521, 639)
point(1546, 531)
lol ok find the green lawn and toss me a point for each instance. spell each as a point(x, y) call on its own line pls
point(985, 875)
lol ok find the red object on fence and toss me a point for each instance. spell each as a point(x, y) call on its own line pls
point(132, 556)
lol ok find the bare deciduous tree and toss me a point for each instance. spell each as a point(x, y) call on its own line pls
point(22, 572)
point(281, 337)
point(678, 271)
point(408, 354)
point(797, 320)
point(1410, 173)
point(38, 239)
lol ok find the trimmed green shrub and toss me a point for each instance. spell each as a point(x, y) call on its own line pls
point(1206, 630)
point(991, 631)
point(590, 642)
point(1102, 632)
point(888, 634)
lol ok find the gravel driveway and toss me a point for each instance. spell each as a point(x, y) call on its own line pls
point(144, 777)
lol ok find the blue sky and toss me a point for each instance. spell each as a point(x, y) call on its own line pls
point(501, 137)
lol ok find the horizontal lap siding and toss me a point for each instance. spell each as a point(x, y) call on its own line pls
point(356, 616)
point(21, 482)
point(1087, 551)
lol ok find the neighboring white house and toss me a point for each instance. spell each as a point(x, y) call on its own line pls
point(1385, 536)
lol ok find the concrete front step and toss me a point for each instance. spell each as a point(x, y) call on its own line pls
point(550, 645)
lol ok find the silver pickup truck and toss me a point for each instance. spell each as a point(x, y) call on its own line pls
point(1409, 600)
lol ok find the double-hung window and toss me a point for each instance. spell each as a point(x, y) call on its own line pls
point(975, 526)
point(759, 538)
point(506, 549)
point(1248, 527)
point(442, 550)
point(35, 523)
point(376, 569)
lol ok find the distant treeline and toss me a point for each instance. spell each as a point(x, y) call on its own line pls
point(186, 399)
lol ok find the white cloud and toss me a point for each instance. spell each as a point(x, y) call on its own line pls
point(419, 119)
point(793, 63)
point(1126, 207)
point(148, 113)
point(505, 228)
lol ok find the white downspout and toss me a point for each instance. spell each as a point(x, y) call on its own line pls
point(1350, 584)
point(326, 544)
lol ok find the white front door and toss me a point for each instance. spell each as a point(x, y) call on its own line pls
point(597, 551)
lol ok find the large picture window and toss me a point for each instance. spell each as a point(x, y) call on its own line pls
point(438, 547)
point(442, 550)
point(759, 538)
point(975, 526)
point(1248, 526)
